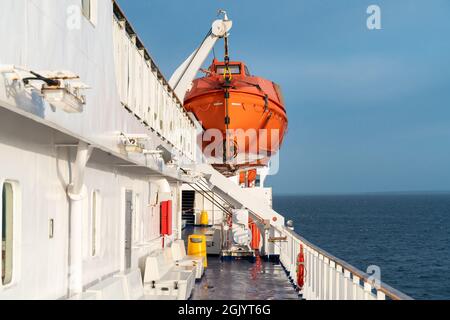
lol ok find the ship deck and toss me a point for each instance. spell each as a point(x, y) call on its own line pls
point(241, 279)
point(244, 280)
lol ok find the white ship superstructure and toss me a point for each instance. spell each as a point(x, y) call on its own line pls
point(94, 146)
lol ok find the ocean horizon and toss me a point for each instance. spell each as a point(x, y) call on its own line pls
point(405, 234)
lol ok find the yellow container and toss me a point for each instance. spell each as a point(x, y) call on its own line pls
point(197, 247)
point(204, 219)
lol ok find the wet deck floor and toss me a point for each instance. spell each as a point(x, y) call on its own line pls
point(243, 280)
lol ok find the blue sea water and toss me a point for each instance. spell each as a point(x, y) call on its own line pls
point(406, 235)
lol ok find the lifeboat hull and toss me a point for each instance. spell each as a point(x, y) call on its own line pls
point(247, 113)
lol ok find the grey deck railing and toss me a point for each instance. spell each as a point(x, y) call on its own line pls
point(330, 278)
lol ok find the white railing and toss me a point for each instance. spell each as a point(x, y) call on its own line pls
point(145, 92)
point(328, 277)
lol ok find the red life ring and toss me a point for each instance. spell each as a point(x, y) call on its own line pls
point(230, 221)
point(301, 268)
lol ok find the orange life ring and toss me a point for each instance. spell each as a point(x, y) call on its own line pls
point(301, 268)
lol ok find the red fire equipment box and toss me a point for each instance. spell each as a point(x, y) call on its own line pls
point(166, 218)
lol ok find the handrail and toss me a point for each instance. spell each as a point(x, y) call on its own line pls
point(120, 15)
point(390, 292)
point(144, 91)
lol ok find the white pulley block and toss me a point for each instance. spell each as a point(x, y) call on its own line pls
point(221, 27)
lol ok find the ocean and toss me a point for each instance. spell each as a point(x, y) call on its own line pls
point(406, 235)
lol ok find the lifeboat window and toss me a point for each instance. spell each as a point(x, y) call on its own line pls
point(247, 72)
point(235, 69)
point(7, 230)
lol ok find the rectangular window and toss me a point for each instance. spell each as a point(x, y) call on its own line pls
point(86, 8)
point(89, 9)
point(7, 232)
point(95, 223)
point(235, 69)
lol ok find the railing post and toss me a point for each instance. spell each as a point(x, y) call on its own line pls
point(316, 275)
point(326, 284)
point(289, 255)
point(346, 284)
point(380, 295)
point(294, 250)
point(320, 277)
point(339, 282)
point(356, 286)
point(311, 274)
point(332, 277)
point(368, 291)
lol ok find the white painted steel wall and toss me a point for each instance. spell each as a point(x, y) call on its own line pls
point(38, 38)
point(104, 56)
point(29, 156)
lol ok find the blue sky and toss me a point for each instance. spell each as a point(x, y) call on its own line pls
point(369, 111)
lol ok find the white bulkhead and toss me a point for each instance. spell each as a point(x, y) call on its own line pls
point(121, 191)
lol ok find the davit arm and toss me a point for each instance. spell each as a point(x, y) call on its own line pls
point(181, 80)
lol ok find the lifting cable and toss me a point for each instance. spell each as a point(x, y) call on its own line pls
point(227, 77)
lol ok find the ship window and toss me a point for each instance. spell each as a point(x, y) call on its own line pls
point(86, 7)
point(7, 232)
point(95, 222)
point(235, 69)
point(89, 7)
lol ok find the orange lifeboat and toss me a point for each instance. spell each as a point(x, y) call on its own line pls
point(248, 111)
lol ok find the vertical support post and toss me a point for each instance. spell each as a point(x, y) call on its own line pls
point(356, 287)
point(332, 277)
point(314, 276)
point(347, 282)
point(309, 274)
point(339, 282)
point(367, 291)
point(77, 192)
point(179, 212)
point(325, 283)
point(320, 277)
point(381, 295)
